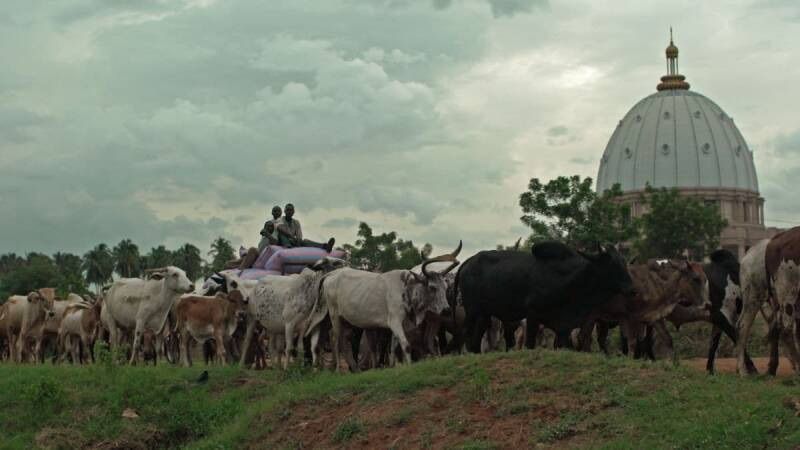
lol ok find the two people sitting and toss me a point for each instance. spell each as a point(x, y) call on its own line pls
point(284, 231)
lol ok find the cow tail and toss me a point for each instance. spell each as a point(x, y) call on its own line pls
point(313, 320)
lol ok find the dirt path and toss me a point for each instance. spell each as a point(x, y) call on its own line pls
point(728, 365)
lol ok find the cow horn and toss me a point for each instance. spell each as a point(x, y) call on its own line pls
point(425, 267)
point(458, 249)
point(516, 245)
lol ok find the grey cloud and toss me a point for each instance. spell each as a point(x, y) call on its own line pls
point(344, 222)
point(583, 161)
point(509, 8)
point(556, 131)
point(442, 4)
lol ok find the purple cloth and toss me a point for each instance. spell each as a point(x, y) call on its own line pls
point(298, 256)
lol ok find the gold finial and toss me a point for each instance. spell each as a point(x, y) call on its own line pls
point(672, 80)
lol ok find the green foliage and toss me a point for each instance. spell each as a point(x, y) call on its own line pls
point(70, 268)
point(36, 271)
point(127, 262)
point(384, 252)
point(221, 252)
point(568, 209)
point(98, 263)
point(348, 429)
point(188, 258)
point(158, 257)
point(675, 223)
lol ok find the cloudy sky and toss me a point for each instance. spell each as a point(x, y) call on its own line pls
point(174, 121)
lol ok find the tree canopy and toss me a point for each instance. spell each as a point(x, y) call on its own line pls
point(188, 258)
point(98, 263)
point(567, 209)
point(385, 251)
point(221, 252)
point(675, 223)
point(127, 262)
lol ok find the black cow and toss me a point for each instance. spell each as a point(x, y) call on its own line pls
point(553, 285)
point(723, 277)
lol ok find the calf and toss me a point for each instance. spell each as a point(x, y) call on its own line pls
point(205, 318)
point(80, 321)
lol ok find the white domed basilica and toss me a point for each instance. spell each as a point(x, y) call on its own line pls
point(679, 138)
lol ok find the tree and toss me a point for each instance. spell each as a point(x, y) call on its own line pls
point(38, 271)
point(127, 262)
point(221, 252)
point(9, 262)
point(70, 269)
point(158, 257)
point(188, 258)
point(384, 252)
point(676, 223)
point(567, 209)
point(98, 263)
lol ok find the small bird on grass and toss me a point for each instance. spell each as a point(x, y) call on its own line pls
point(203, 378)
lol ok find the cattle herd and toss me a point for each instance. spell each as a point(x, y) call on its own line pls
point(333, 315)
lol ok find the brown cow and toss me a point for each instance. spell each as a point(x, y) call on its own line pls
point(660, 288)
point(205, 318)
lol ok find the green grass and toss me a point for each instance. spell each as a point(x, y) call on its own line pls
point(557, 398)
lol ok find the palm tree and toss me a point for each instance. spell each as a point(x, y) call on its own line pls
point(221, 252)
point(158, 257)
point(188, 258)
point(126, 259)
point(99, 265)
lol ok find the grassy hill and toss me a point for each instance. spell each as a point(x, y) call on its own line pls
point(537, 398)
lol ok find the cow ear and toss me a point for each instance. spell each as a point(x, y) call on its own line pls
point(234, 284)
point(157, 276)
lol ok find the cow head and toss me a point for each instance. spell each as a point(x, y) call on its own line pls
point(611, 270)
point(238, 302)
point(328, 264)
point(175, 279)
point(43, 300)
point(427, 291)
point(692, 288)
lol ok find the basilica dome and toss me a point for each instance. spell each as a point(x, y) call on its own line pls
point(678, 138)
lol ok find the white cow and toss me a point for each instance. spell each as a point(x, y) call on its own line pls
point(370, 300)
point(79, 325)
point(23, 318)
point(771, 271)
point(282, 304)
point(139, 305)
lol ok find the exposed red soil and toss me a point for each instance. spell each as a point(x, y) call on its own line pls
point(429, 418)
point(728, 365)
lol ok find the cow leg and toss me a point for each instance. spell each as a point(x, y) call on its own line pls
point(631, 331)
point(396, 325)
point(184, 346)
point(585, 336)
point(531, 330)
point(475, 332)
point(508, 333)
point(137, 341)
point(288, 331)
point(744, 327)
point(219, 337)
point(602, 335)
point(563, 340)
point(716, 334)
point(661, 328)
point(787, 336)
point(248, 337)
